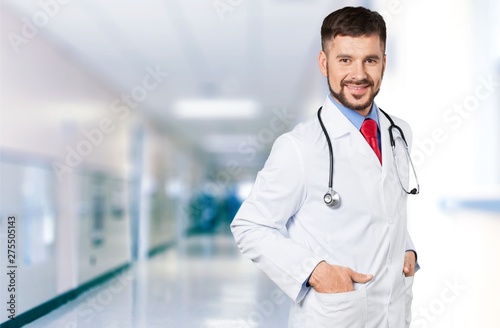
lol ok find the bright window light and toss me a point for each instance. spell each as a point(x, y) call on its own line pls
point(215, 109)
point(223, 143)
point(244, 189)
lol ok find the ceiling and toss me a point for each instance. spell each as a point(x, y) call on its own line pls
point(260, 50)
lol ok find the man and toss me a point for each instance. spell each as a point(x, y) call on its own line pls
point(350, 265)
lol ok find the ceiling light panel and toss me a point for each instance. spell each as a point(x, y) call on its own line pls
point(215, 109)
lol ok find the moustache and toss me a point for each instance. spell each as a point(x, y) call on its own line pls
point(358, 82)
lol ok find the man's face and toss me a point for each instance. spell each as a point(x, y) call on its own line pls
point(354, 67)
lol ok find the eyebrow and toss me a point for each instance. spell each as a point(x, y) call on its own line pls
point(349, 56)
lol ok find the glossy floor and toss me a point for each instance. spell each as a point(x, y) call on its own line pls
point(203, 282)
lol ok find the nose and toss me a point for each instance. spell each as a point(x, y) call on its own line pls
point(358, 71)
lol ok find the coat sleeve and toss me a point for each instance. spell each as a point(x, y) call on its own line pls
point(411, 247)
point(259, 227)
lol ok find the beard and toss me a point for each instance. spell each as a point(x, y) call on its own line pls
point(341, 96)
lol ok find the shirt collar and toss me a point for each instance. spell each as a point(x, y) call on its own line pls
point(354, 117)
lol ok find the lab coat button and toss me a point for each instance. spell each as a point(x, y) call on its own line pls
point(389, 220)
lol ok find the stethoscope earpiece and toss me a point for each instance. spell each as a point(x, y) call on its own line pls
point(332, 198)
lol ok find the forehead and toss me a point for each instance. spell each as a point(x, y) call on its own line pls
point(356, 45)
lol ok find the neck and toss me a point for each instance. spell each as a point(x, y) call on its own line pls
point(365, 111)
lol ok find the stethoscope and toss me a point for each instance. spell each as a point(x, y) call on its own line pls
point(332, 198)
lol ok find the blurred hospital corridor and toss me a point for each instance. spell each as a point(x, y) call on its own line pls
point(132, 131)
point(203, 282)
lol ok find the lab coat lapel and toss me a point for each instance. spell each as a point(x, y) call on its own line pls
point(387, 158)
point(338, 126)
point(361, 145)
point(335, 122)
point(365, 149)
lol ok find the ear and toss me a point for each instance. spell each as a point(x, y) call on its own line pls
point(383, 65)
point(323, 63)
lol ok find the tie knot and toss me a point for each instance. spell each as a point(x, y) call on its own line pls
point(369, 128)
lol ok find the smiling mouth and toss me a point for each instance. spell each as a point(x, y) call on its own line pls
point(357, 86)
point(357, 89)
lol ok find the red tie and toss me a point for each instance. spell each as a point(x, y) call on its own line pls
point(369, 131)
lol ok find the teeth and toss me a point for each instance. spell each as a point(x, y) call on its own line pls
point(356, 88)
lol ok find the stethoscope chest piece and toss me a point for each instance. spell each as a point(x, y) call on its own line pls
point(332, 198)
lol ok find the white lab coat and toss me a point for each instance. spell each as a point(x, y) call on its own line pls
point(286, 229)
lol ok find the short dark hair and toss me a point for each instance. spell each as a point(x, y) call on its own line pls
point(354, 22)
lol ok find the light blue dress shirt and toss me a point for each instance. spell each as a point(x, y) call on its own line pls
point(357, 119)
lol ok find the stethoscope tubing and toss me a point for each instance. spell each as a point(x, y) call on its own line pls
point(331, 194)
point(330, 149)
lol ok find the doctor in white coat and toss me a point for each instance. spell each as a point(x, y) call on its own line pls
point(350, 265)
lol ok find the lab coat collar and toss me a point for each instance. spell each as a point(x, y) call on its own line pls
point(338, 125)
point(335, 122)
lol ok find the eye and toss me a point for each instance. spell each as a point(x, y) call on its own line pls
point(371, 61)
point(344, 60)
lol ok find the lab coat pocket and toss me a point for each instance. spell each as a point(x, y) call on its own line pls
point(408, 299)
point(338, 310)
